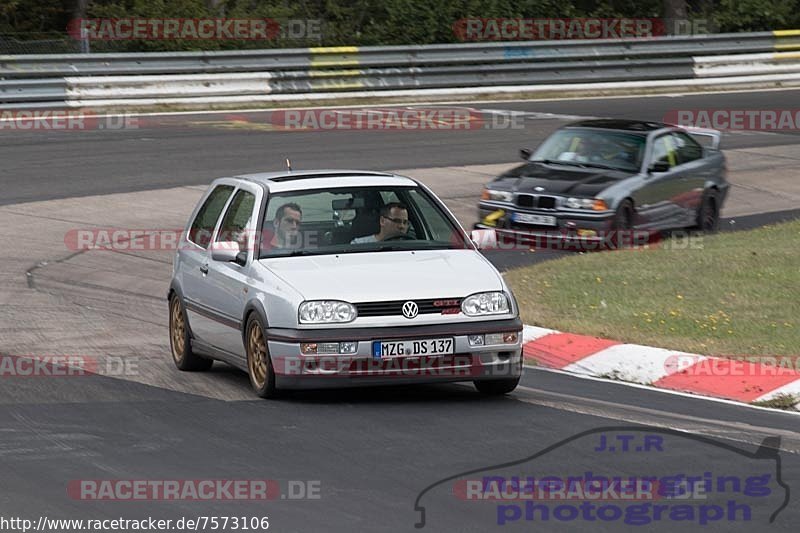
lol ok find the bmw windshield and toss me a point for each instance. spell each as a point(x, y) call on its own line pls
point(350, 220)
point(593, 148)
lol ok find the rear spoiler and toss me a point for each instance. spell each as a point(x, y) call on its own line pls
point(707, 137)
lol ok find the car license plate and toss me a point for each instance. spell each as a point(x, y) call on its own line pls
point(528, 218)
point(383, 349)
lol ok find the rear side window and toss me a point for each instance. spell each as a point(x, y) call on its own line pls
point(664, 152)
point(234, 223)
point(688, 148)
point(203, 225)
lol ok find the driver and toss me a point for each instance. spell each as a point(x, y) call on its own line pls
point(393, 223)
point(582, 153)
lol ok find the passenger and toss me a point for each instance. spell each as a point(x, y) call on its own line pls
point(287, 222)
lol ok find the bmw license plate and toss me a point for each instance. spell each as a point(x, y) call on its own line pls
point(382, 349)
point(528, 218)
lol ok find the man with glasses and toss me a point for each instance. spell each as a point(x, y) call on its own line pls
point(287, 226)
point(393, 223)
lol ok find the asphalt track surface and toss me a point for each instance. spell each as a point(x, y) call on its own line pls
point(192, 149)
point(373, 452)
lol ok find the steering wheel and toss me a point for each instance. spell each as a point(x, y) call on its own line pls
point(401, 236)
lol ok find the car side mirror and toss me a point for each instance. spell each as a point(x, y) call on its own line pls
point(484, 239)
point(228, 252)
point(659, 166)
point(525, 153)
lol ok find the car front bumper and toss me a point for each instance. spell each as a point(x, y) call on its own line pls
point(573, 230)
point(295, 370)
point(500, 216)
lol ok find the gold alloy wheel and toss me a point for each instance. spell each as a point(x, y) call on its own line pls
point(177, 330)
point(257, 359)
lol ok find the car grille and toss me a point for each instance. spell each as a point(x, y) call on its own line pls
point(430, 306)
point(534, 200)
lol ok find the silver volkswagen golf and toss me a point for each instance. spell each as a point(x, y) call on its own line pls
point(338, 279)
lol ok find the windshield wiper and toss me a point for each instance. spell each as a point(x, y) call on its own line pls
point(574, 164)
point(556, 162)
point(388, 248)
point(600, 165)
point(293, 253)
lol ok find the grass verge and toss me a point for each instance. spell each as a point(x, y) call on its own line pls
point(730, 294)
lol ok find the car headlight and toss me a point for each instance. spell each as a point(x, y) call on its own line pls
point(594, 204)
point(326, 312)
point(485, 303)
point(498, 196)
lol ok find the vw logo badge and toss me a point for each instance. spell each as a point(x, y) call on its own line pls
point(538, 189)
point(410, 309)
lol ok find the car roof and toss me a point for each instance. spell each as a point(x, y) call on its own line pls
point(636, 126)
point(285, 180)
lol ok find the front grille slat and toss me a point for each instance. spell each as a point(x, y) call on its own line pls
point(395, 308)
point(536, 200)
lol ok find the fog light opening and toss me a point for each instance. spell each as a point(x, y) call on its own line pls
point(476, 340)
point(308, 348)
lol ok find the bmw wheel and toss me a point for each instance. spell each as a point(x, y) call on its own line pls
point(708, 213)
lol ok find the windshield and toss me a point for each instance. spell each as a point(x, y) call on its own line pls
point(349, 220)
point(585, 147)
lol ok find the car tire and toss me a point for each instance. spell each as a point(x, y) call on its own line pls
point(708, 213)
point(180, 342)
point(622, 223)
point(623, 218)
point(496, 387)
point(259, 362)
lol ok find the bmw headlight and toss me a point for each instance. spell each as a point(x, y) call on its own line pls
point(498, 196)
point(326, 312)
point(594, 204)
point(485, 303)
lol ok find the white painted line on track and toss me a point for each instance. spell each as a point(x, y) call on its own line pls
point(664, 391)
point(434, 103)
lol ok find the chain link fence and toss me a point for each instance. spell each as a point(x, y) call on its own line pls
point(15, 44)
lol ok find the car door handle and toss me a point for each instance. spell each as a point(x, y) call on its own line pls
point(204, 269)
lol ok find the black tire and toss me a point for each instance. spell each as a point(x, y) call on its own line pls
point(180, 343)
point(496, 387)
point(622, 223)
point(259, 362)
point(708, 213)
point(623, 218)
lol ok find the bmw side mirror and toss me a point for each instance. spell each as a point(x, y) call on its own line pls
point(525, 153)
point(228, 252)
point(659, 166)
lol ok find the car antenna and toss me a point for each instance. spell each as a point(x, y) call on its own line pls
point(288, 165)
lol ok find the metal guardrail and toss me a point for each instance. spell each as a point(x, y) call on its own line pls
point(69, 78)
